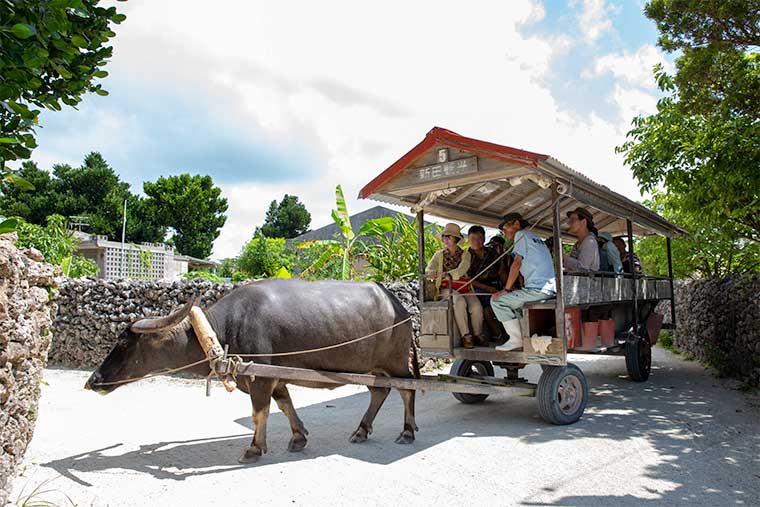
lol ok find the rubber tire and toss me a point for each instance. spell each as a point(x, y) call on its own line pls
point(547, 394)
point(463, 368)
point(638, 359)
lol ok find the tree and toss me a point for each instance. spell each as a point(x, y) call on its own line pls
point(708, 250)
point(266, 257)
point(57, 245)
point(93, 190)
point(287, 219)
point(52, 51)
point(192, 207)
point(704, 140)
point(349, 247)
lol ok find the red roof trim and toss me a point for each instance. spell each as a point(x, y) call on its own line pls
point(452, 139)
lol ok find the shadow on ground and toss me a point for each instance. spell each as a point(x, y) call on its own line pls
point(711, 454)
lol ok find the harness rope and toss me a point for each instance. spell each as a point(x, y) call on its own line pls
point(212, 360)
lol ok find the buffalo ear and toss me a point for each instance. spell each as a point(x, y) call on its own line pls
point(158, 324)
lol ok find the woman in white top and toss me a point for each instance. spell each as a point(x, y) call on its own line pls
point(453, 260)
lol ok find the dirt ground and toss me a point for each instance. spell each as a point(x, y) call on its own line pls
point(683, 437)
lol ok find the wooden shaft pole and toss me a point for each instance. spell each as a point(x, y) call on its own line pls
point(209, 341)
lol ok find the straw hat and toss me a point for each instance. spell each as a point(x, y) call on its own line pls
point(451, 229)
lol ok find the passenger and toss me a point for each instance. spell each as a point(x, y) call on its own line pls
point(455, 261)
point(619, 242)
point(614, 263)
point(533, 261)
point(585, 253)
point(484, 257)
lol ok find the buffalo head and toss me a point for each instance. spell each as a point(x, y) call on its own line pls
point(147, 345)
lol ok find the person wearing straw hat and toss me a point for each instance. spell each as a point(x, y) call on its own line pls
point(453, 260)
point(532, 260)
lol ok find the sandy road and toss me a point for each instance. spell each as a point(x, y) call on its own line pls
point(683, 437)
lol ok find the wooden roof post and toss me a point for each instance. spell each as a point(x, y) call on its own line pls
point(559, 309)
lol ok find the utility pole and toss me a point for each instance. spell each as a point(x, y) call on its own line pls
point(123, 234)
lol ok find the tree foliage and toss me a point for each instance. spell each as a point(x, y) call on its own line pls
point(394, 254)
point(51, 52)
point(193, 207)
point(349, 247)
point(708, 250)
point(93, 190)
point(57, 245)
point(704, 140)
point(266, 257)
point(286, 219)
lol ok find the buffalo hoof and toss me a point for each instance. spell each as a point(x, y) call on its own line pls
point(406, 437)
point(297, 443)
point(359, 436)
point(250, 455)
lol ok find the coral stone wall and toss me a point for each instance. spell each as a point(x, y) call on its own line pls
point(26, 306)
point(719, 323)
point(92, 313)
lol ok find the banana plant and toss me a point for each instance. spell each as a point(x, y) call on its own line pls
point(345, 247)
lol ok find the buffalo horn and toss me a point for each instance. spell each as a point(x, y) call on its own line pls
point(156, 324)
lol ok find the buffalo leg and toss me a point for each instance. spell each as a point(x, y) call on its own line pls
point(407, 435)
point(282, 397)
point(377, 397)
point(261, 397)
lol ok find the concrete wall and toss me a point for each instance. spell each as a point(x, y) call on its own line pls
point(25, 323)
point(92, 312)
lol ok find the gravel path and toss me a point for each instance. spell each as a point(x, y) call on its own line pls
point(683, 437)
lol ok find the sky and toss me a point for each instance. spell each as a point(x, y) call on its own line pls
point(297, 97)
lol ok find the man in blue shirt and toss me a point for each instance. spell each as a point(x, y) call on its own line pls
point(533, 261)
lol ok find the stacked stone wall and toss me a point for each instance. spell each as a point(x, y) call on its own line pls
point(26, 309)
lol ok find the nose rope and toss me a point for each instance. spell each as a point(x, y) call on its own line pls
point(274, 354)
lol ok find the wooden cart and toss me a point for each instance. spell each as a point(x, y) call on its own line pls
point(467, 180)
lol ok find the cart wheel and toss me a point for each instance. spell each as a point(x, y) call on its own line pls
point(465, 368)
point(638, 358)
point(562, 394)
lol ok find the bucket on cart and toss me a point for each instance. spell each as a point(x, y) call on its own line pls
point(607, 332)
point(590, 334)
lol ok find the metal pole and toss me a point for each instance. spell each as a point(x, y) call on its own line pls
point(672, 293)
point(421, 252)
point(629, 224)
point(559, 309)
point(123, 234)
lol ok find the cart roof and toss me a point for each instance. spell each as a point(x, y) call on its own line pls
point(468, 180)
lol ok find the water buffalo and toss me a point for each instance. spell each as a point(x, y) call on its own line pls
point(272, 316)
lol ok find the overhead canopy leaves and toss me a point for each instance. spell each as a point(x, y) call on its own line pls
point(51, 54)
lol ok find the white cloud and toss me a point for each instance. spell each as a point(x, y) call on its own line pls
point(357, 85)
point(632, 102)
point(631, 68)
point(594, 19)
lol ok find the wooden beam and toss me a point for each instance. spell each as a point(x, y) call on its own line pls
point(607, 221)
point(496, 197)
point(548, 215)
point(466, 179)
point(527, 197)
point(466, 192)
point(426, 383)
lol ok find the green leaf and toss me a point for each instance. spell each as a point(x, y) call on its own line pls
point(79, 41)
point(66, 265)
point(101, 92)
point(22, 30)
point(8, 140)
point(282, 273)
point(100, 74)
point(118, 18)
point(340, 216)
point(19, 182)
point(8, 225)
point(376, 227)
